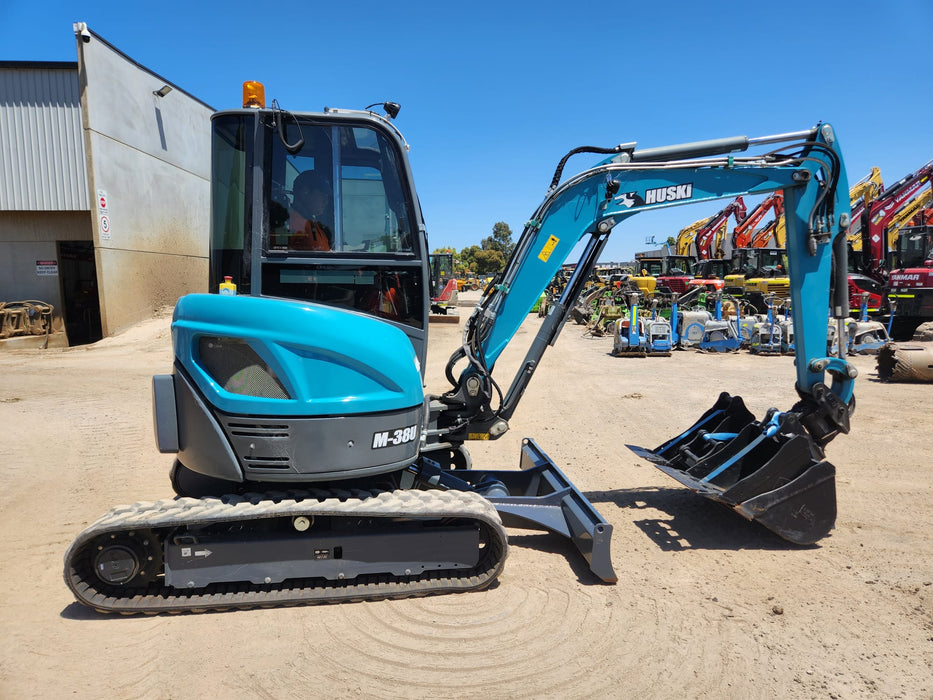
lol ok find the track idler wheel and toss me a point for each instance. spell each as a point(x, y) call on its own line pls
point(133, 560)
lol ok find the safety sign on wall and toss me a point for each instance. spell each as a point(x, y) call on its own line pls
point(47, 268)
point(103, 215)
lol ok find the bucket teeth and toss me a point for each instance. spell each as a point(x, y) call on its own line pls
point(769, 471)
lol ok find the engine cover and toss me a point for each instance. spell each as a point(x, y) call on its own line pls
point(276, 390)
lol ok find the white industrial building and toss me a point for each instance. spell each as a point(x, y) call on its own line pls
point(104, 193)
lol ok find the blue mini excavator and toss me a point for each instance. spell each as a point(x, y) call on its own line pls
point(310, 466)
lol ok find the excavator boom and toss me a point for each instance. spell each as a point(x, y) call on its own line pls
point(592, 203)
point(863, 193)
point(709, 238)
point(588, 206)
point(905, 215)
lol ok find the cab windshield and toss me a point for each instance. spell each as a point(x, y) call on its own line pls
point(339, 193)
point(653, 268)
point(913, 249)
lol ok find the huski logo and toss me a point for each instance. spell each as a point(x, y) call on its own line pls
point(630, 199)
point(658, 195)
point(669, 194)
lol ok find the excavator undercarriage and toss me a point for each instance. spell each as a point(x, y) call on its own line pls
point(439, 532)
point(266, 549)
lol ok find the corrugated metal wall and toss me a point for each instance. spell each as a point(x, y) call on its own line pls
point(42, 161)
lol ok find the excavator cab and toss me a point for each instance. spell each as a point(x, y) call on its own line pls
point(320, 211)
point(757, 273)
point(312, 217)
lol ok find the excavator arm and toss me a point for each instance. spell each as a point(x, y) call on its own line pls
point(863, 193)
point(905, 215)
point(742, 235)
point(867, 189)
point(687, 236)
point(774, 230)
point(709, 239)
point(806, 166)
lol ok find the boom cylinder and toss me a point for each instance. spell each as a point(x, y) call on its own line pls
point(711, 147)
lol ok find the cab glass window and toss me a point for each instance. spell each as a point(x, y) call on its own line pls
point(341, 191)
point(392, 293)
point(230, 203)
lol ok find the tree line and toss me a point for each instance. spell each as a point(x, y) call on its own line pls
point(486, 258)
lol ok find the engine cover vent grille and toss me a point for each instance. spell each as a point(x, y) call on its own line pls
point(234, 365)
point(267, 462)
point(260, 444)
point(263, 430)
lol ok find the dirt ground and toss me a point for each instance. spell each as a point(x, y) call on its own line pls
point(707, 604)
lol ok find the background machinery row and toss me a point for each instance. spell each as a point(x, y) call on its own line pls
point(743, 273)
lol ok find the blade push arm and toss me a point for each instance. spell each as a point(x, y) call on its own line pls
point(807, 167)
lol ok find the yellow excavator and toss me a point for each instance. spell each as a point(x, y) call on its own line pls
point(861, 194)
point(685, 239)
point(905, 215)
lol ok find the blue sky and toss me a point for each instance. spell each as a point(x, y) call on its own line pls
point(493, 94)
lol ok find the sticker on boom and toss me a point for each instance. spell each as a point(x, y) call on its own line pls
point(548, 248)
point(394, 437)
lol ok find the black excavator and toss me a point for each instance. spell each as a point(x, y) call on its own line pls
point(311, 467)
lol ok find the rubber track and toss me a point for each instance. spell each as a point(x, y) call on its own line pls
point(207, 511)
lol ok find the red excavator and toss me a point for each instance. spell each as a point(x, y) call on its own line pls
point(709, 238)
point(910, 281)
point(744, 234)
point(878, 215)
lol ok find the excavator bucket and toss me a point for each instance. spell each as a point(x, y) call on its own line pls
point(768, 471)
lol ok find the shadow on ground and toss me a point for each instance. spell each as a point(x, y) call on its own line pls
point(690, 521)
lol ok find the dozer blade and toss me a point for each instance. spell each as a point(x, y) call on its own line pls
point(766, 471)
point(539, 497)
point(540, 494)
